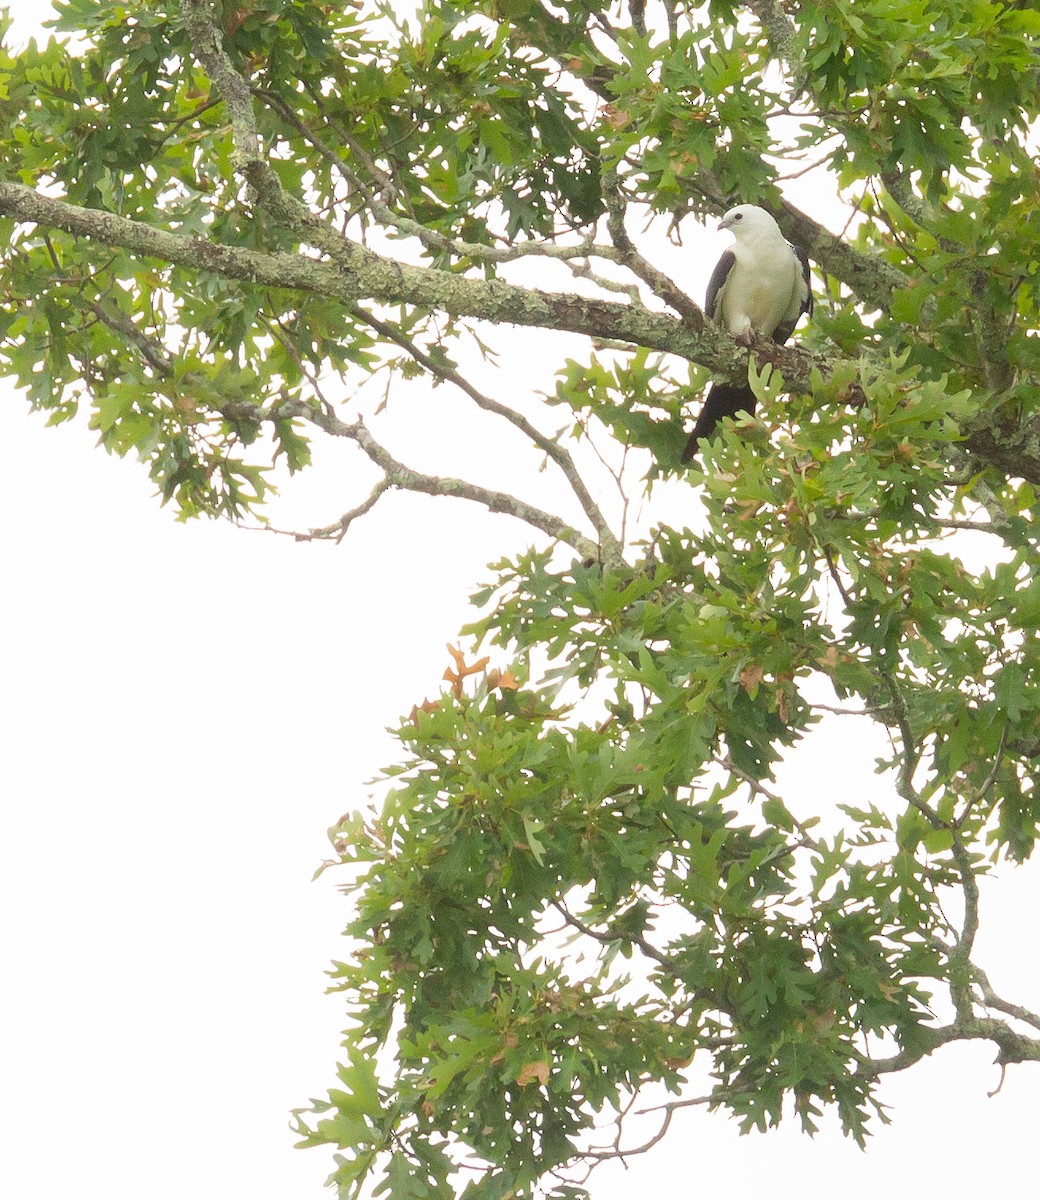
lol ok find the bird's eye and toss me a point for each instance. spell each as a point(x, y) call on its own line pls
point(738, 216)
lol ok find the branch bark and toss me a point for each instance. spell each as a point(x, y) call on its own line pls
point(396, 474)
point(1012, 1047)
point(361, 274)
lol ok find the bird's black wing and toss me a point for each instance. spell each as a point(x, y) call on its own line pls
point(784, 330)
point(722, 400)
point(717, 282)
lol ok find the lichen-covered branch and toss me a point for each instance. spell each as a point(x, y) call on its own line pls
point(203, 28)
point(1012, 1046)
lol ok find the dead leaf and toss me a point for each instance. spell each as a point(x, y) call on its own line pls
point(504, 680)
point(456, 677)
point(427, 706)
point(751, 676)
point(677, 1064)
point(533, 1072)
point(508, 1043)
point(235, 19)
point(829, 658)
point(616, 118)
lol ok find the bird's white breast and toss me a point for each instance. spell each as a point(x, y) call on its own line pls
point(761, 288)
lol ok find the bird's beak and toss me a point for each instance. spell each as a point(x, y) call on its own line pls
point(725, 223)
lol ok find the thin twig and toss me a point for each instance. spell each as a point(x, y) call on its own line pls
point(759, 788)
point(398, 475)
point(561, 457)
point(833, 570)
point(618, 936)
point(659, 283)
point(869, 711)
point(337, 531)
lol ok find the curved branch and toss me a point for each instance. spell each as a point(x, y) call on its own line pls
point(396, 474)
point(1013, 1047)
point(656, 280)
point(619, 936)
point(992, 1000)
point(338, 530)
point(549, 446)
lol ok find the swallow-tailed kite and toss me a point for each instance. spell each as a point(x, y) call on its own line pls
point(758, 289)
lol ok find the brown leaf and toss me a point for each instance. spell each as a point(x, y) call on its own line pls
point(751, 676)
point(533, 1072)
point(427, 706)
point(616, 118)
point(677, 1064)
point(456, 677)
point(235, 19)
point(829, 658)
point(504, 680)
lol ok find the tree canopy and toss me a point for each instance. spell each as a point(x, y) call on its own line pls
point(583, 888)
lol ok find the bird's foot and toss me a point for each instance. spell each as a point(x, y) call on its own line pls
point(746, 337)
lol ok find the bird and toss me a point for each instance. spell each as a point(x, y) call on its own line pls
point(759, 289)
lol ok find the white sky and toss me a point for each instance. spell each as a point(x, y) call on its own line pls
point(185, 710)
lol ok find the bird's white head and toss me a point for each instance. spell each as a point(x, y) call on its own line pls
point(749, 219)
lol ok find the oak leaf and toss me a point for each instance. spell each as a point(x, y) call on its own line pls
point(427, 706)
point(462, 669)
point(751, 676)
point(502, 679)
point(533, 1072)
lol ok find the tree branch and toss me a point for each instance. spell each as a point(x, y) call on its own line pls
point(338, 530)
point(992, 1000)
point(758, 788)
point(656, 280)
point(610, 549)
point(1013, 1047)
point(362, 274)
point(434, 241)
point(151, 350)
point(207, 40)
point(359, 274)
point(396, 474)
point(960, 955)
point(619, 936)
